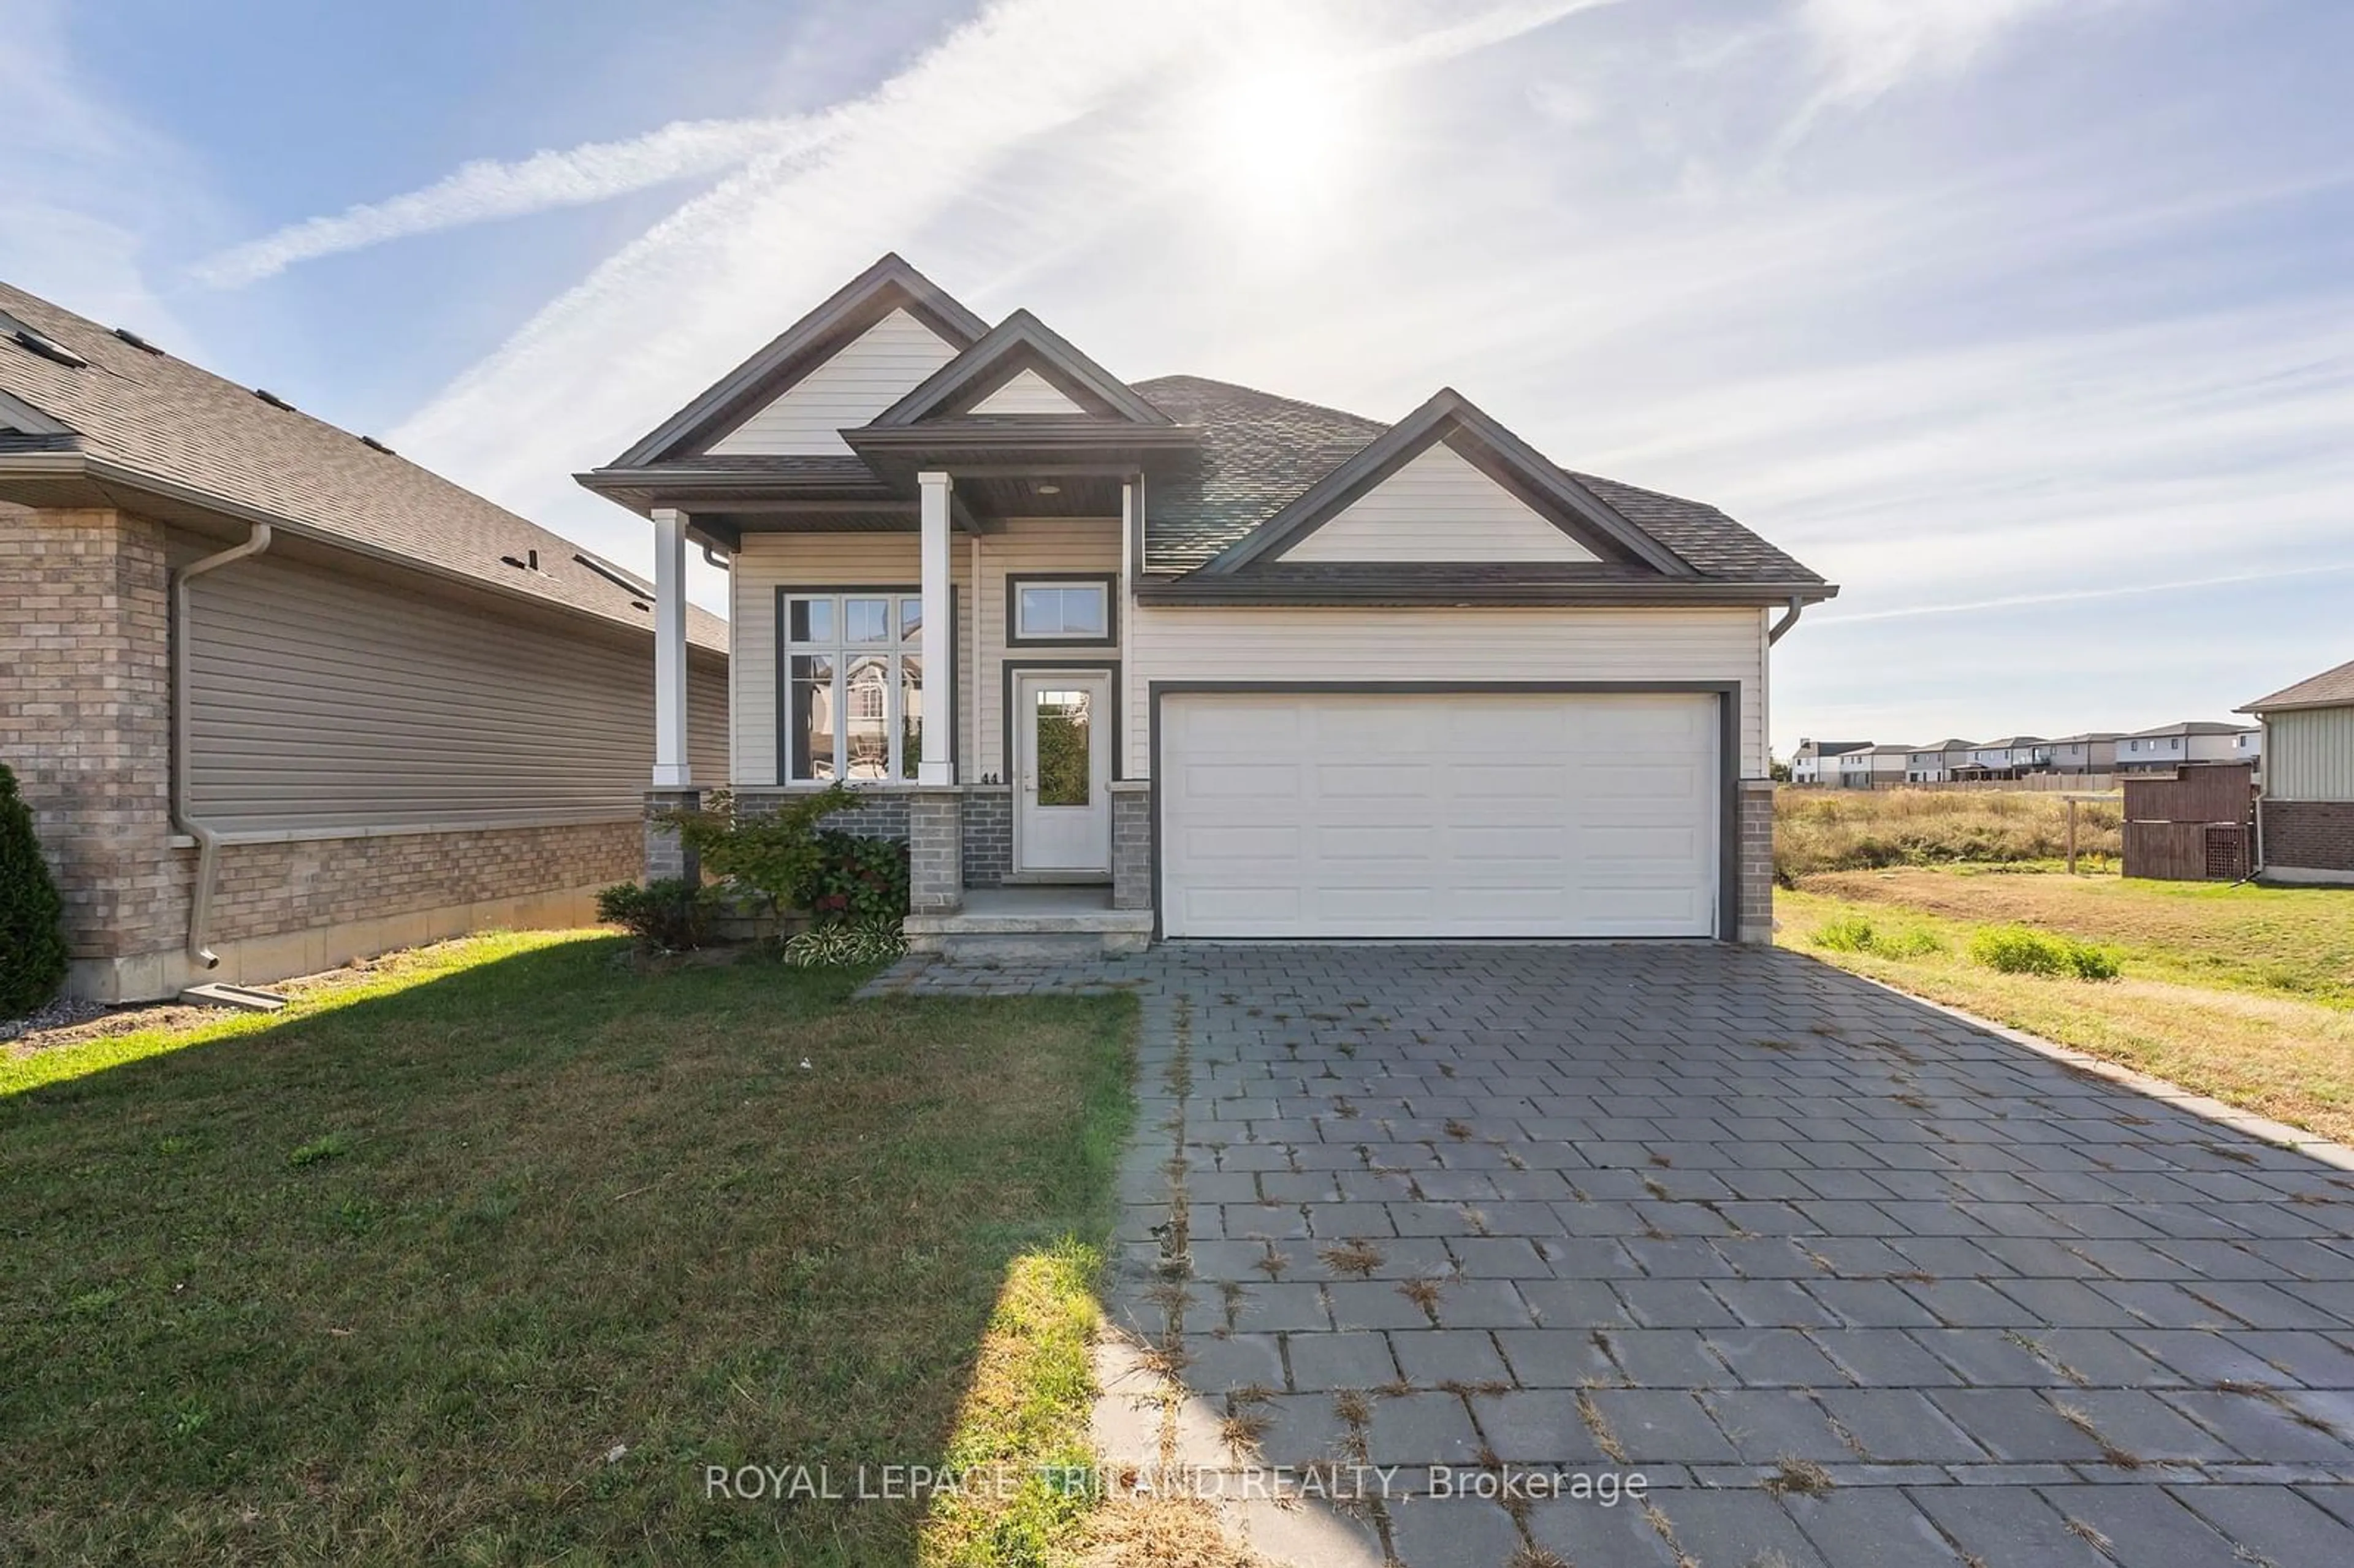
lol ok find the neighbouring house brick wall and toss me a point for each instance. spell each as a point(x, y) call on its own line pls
point(2310, 835)
point(1755, 820)
point(266, 889)
point(85, 719)
point(988, 835)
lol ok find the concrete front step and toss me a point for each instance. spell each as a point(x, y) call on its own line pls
point(1021, 934)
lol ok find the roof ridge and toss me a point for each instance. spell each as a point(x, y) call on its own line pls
point(1378, 425)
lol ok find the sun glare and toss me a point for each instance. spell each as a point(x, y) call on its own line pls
point(1272, 137)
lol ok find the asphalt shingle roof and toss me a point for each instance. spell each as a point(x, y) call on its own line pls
point(1259, 452)
point(166, 419)
point(2328, 689)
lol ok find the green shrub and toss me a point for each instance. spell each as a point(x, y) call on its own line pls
point(668, 916)
point(787, 861)
point(845, 943)
point(1848, 934)
point(860, 882)
point(32, 933)
point(1856, 933)
point(2022, 950)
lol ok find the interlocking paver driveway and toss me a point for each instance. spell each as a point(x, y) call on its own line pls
point(1698, 1210)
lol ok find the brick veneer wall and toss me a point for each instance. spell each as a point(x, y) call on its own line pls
point(988, 835)
point(85, 719)
point(2309, 835)
point(266, 889)
point(85, 722)
point(1756, 858)
point(1132, 845)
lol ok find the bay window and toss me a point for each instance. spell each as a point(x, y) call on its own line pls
point(854, 684)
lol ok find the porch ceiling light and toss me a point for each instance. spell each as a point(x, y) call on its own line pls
point(1050, 490)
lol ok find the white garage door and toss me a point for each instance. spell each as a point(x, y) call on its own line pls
point(1469, 815)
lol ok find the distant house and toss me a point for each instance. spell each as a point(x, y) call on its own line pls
point(1888, 764)
point(2199, 740)
point(2304, 821)
point(1927, 764)
point(2013, 756)
point(1817, 762)
point(280, 698)
point(2094, 751)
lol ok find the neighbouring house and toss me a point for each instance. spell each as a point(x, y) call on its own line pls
point(1887, 765)
point(2199, 740)
point(280, 698)
point(2013, 756)
point(1817, 762)
point(2305, 817)
point(2094, 751)
point(1928, 764)
point(1235, 664)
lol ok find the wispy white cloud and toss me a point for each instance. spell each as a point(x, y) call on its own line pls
point(2082, 594)
point(735, 263)
point(492, 188)
point(1868, 47)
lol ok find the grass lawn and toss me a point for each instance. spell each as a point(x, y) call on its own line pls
point(486, 1258)
point(2245, 994)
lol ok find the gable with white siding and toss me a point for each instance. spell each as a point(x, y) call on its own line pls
point(874, 371)
point(1438, 507)
point(1027, 393)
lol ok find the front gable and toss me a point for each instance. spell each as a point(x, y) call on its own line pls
point(866, 376)
point(885, 330)
point(1438, 506)
point(1448, 484)
point(1022, 368)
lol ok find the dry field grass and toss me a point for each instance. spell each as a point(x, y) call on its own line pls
point(1861, 830)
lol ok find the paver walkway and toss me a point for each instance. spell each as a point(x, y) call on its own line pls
point(1848, 1281)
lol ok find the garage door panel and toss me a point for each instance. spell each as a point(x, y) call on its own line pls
point(1469, 815)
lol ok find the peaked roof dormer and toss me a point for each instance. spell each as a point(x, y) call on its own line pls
point(889, 304)
point(1022, 367)
point(1596, 532)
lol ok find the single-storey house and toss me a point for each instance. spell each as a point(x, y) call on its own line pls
point(2305, 818)
point(1237, 664)
point(279, 697)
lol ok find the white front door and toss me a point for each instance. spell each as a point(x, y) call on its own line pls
point(1062, 761)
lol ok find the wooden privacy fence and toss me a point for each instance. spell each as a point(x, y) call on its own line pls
point(2193, 826)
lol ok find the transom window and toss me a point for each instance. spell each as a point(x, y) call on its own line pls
point(854, 684)
point(1061, 612)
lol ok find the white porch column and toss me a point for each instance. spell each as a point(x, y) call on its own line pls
point(938, 766)
point(671, 769)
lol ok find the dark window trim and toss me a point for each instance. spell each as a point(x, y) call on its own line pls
point(1014, 639)
point(1728, 745)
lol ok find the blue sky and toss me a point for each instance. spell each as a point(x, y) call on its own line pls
point(2026, 321)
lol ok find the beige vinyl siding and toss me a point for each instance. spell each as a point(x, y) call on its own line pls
point(1272, 646)
point(874, 371)
point(1041, 545)
point(770, 561)
point(1438, 507)
point(1027, 393)
point(2309, 754)
point(322, 701)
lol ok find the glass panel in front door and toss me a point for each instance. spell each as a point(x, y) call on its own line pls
point(1060, 740)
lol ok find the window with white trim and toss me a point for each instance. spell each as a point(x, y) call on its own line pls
point(1062, 612)
point(854, 700)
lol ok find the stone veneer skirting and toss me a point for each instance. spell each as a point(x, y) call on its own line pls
point(988, 835)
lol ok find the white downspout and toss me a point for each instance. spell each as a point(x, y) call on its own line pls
point(200, 900)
